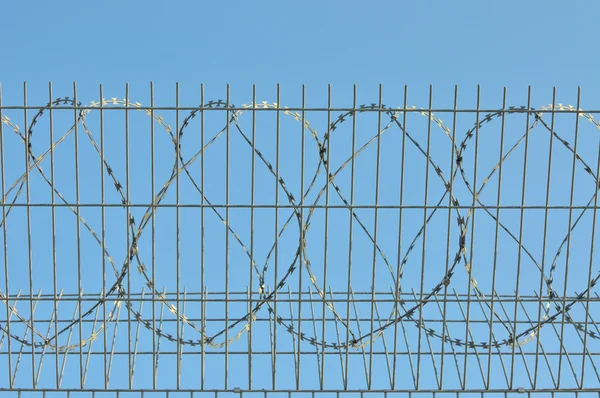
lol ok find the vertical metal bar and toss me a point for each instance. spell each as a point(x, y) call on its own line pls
point(90, 344)
point(250, 268)
point(539, 346)
point(271, 343)
point(561, 348)
point(375, 228)
point(4, 221)
point(177, 226)
point(227, 241)
point(517, 300)
point(53, 222)
point(4, 334)
point(595, 325)
point(571, 199)
point(137, 333)
point(493, 338)
point(300, 259)
point(521, 223)
point(587, 300)
point(53, 319)
point(450, 197)
point(12, 312)
point(327, 169)
point(428, 338)
point(446, 332)
point(23, 345)
point(103, 237)
point(202, 287)
point(205, 314)
point(469, 336)
point(350, 235)
point(180, 337)
point(367, 375)
point(544, 239)
point(160, 323)
point(29, 252)
point(112, 347)
point(520, 349)
point(78, 211)
point(409, 353)
point(314, 322)
point(66, 352)
point(153, 232)
point(275, 273)
point(385, 349)
point(339, 342)
point(495, 261)
point(426, 194)
point(472, 244)
point(248, 296)
point(129, 247)
point(397, 291)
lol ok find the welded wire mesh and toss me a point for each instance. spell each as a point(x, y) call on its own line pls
point(194, 246)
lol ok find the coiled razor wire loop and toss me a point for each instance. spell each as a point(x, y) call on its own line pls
point(136, 234)
point(394, 317)
point(180, 165)
point(264, 297)
point(34, 162)
point(530, 333)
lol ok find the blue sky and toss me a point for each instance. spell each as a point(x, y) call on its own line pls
point(512, 44)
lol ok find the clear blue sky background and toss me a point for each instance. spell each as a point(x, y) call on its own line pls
point(510, 44)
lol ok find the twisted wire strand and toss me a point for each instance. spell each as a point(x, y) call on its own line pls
point(266, 295)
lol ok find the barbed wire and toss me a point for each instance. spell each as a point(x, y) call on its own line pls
point(117, 293)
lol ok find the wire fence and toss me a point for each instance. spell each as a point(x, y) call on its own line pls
point(321, 248)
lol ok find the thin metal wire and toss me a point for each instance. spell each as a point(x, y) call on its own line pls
point(6, 279)
point(384, 297)
point(350, 237)
point(202, 282)
point(53, 221)
point(545, 233)
point(424, 244)
point(29, 252)
point(496, 237)
point(567, 256)
point(276, 239)
point(399, 263)
point(301, 259)
point(375, 228)
point(351, 325)
point(311, 206)
point(177, 237)
point(589, 281)
point(153, 240)
point(252, 196)
point(326, 231)
point(127, 222)
point(521, 225)
point(227, 144)
point(472, 244)
point(450, 190)
point(210, 106)
point(103, 233)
